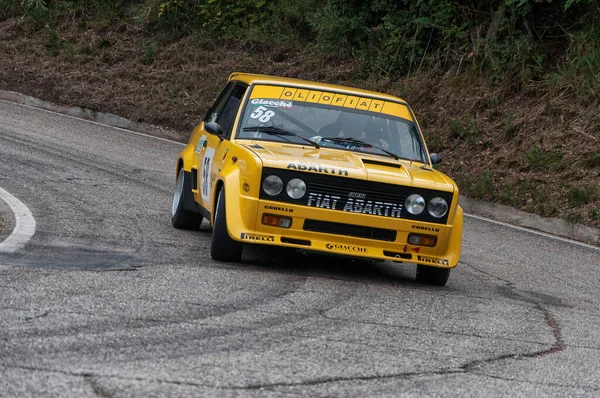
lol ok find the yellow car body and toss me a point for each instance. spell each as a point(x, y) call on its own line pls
point(355, 199)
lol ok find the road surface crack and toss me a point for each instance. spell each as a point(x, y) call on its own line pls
point(44, 314)
point(325, 380)
point(98, 390)
point(551, 322)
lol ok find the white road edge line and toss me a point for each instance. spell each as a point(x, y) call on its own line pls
point(24, 224)
point(533, 231)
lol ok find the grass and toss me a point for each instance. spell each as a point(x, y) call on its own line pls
point(149, 54)
point(464, 129)
point(580, 196)
point(483, 188)
point(52, 42)
point(510, 127)
point(543, 160)
point(591, 160)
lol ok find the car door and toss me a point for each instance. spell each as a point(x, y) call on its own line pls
point(215, 148)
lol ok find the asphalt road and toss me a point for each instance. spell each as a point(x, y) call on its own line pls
point(108, 300)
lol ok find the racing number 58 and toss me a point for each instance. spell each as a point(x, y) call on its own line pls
point(262, 116)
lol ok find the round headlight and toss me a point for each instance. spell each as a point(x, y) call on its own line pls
point(437, 207)
point(296, 188)
point(415, 204)
point(272, 185)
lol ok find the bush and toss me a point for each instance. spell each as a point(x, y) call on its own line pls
point(8, 8)
point(512, 40)
point(214, 18)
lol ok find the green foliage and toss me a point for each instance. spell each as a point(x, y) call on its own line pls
point(579, 196)
point(37, 11)
point(52, 42)
point(542, 160)
point(340, 30)
point(516, 41)
point(580, 71)
point(149, 54)
point(105, 9)
point(592, 160)
point(510, 127)
point(8, 8)
point(284, 21)
point(464, 129)
point(484, 188)
point(215, 18)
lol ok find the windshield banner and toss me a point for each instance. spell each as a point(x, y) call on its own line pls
point(270, 94)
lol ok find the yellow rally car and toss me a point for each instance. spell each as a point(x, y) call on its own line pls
point(318, 167)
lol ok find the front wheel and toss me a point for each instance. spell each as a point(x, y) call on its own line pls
point(432, 275)
point(180, 217)
point(222, 247)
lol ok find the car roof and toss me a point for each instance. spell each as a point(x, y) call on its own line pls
point(250, 78)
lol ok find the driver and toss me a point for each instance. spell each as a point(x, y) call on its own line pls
point(354, 125)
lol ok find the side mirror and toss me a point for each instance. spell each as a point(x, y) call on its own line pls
point(435, 159)
point(214, 129)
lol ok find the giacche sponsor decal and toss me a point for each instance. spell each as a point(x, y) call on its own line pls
point(354, 205)
point(346, 248)
point(257, 238)
point(317, 168)
point(433, 260)
point(271, 103)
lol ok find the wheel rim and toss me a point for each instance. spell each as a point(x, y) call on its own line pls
point(218, 202)
point(178, 193)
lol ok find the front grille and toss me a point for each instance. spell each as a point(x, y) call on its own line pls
point(357, 231)
point(333, 191)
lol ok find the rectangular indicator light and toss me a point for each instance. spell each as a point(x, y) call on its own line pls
point(276, 221)
point(422, 240)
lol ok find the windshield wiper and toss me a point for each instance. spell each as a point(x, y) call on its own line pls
point(359, 143)
point(272, 130)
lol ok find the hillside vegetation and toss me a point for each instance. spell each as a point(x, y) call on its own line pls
point(507, 91)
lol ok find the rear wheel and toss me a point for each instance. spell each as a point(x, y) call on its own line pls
point(180, 217)
point(432, 275)
point(222, 247)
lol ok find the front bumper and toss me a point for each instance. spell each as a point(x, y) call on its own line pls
point(350, 234)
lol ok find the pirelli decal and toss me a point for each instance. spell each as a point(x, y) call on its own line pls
point(257, 237)
point(434, 260)
point(277, 93)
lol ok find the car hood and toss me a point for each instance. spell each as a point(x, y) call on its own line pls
point(350, 164)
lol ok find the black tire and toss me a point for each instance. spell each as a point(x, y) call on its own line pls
point(222, 247)
point(180, 217)
point(432, 275)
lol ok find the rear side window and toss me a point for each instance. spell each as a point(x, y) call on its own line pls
point(226, 118)
point(215, 111)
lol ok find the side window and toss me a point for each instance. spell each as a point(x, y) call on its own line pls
point(230, 110)
point(215, 111)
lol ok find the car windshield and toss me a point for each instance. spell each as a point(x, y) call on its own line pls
point(356, 123)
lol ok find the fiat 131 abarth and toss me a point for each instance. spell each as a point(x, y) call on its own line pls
point(320, 168)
